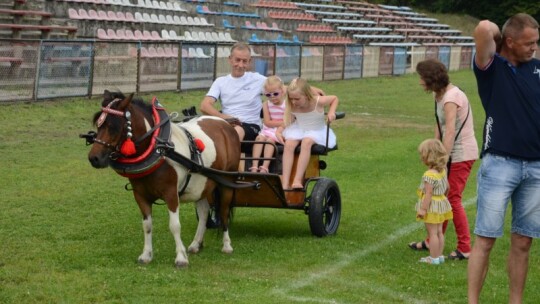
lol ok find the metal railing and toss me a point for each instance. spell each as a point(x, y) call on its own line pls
point(44, 69)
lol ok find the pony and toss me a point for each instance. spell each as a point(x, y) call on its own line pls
point(128, 131)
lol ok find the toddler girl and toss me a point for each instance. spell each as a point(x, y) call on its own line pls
point(433, 207)
point(304, 125)
point(273, 110)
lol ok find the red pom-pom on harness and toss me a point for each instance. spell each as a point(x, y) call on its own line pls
point(200, 145)
point(128, 147)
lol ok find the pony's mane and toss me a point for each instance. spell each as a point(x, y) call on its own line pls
point(136, 101)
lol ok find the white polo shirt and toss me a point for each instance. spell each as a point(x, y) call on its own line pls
point(240, 97)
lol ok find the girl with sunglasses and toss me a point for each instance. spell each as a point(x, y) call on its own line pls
point(273, 110)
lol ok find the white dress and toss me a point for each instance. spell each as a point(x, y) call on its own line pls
point(313, 125)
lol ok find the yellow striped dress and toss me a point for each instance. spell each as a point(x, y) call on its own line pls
point(439, 209)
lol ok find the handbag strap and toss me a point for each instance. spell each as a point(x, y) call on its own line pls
point(462, 125)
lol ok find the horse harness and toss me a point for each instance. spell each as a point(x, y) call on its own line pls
point(151, 159)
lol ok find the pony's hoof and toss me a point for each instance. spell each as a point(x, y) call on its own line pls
point(195, 248)
point(143, 261)
point(228, 250)
point(181, 264)
point(145, 258)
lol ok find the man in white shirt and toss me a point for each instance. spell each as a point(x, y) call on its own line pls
point(239, 94)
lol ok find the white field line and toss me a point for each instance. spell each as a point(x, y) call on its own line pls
point(321, 274)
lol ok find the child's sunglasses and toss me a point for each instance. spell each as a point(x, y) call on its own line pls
point(274, 94)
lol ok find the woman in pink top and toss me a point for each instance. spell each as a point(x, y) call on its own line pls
point(455, 129)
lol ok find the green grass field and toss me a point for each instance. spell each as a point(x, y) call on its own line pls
point(71, 234)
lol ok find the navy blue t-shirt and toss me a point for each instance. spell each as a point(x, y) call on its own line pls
point(511, 99)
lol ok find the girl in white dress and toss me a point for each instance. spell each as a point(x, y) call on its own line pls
point(304, 125)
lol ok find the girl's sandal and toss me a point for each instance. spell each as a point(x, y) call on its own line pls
point(253, 169)
point(263, 169)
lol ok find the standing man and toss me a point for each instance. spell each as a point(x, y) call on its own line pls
point(508, 78)
point(239, 93)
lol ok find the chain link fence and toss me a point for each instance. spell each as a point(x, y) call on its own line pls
point(42, 69)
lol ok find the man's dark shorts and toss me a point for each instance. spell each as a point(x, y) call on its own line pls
point(251, 131)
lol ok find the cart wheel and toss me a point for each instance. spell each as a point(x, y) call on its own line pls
point(324, 208)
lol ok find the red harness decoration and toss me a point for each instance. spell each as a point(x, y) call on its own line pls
point(150, 160)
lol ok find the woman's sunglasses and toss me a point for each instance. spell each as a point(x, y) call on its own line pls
point(274, 94)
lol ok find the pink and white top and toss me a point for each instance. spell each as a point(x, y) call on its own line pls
point(465, 147)
point(276, 113)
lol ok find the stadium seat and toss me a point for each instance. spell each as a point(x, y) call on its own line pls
point(162, 19)
point(169, 52)
point(227, 25)
point(229, 38)
point(147, 18)
point(72, 13)
point(138, 17)
point(190, 21)
point(188, 36)
point(165, 35)
point(138, 35)
point(147, 35)
point(156, 36)
point(183, 20)
point(144, 52)
point(201, 54)
point(130, 35)
point(120, 16)
point(130, 17)
point(92, 14)
point(112, 16)
point(102, 15)
point(222, 37)
point(185, 53)
point(174, 36)
point(121, 34)
point(178, 7)
point(247, 25)
point(83, 14)
point(102, 34)
point(112, 34)
point(204, 22)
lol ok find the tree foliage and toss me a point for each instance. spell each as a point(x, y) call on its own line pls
point(495, 10)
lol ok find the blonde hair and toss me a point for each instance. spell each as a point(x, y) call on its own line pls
point(273, 81)
point(434, 154)
point(296, 85)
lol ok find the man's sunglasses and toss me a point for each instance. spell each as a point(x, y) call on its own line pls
point(274, 94)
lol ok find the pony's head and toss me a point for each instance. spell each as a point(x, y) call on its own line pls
point(114, 125)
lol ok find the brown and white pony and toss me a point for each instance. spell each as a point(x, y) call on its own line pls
point(126, 135)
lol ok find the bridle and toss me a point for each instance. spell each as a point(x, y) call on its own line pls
point(91, 137)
